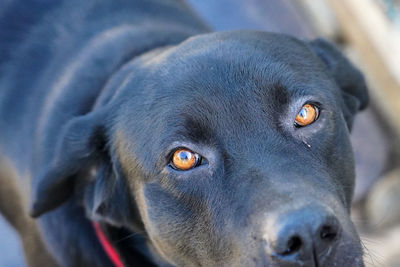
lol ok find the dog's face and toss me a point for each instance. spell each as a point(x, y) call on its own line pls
point(231, 149)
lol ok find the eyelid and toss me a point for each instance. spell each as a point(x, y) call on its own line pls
point(173, 146)
point(314, 103)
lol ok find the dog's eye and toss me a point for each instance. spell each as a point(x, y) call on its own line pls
point(307, 115)
point(183, 159)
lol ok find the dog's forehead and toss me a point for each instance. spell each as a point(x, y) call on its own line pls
point(228, 83)
point(244, 47)
point(234, 61)
point(246, 41)
point(234, 70)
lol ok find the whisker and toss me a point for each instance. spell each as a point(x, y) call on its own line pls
point(128, 237)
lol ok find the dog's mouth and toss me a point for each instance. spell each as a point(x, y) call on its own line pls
point(123, 247)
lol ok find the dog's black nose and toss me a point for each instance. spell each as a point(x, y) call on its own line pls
point(305, 236)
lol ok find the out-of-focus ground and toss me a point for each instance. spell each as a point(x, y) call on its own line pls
point(368, 32)
point(10, 246)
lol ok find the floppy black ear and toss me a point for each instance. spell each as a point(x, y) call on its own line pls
point(348, 77)
point(108, 197)
point(80, 142)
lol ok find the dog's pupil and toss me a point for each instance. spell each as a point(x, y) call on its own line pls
point(306, 115)
point(184, 159)
point(184, 155)
point(303, 112)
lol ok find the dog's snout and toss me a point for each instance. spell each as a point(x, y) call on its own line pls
point(305, 237)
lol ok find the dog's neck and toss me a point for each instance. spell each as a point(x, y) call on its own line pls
point(107, 246)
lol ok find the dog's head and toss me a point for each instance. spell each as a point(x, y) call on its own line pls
point(230, 149)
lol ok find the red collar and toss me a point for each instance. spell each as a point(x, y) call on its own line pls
point(108, 248)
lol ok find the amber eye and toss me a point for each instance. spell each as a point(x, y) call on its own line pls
point(307, 115)
point(183, 159)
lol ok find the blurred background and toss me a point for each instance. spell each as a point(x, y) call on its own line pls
point(368, 32)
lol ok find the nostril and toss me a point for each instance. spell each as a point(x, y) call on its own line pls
point(328, 233)
point(293, 245)
point(309, 235)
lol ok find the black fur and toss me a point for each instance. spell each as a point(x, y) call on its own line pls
point(93, 115)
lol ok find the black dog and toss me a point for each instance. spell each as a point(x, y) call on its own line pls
point(148, 141)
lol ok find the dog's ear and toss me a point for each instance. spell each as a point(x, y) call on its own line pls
point(81, 141)
point(108, 198)
point(349, 78)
